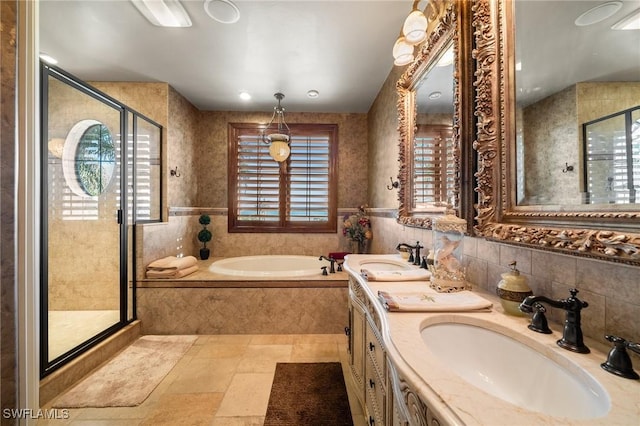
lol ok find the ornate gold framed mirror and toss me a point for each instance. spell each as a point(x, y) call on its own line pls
point(567, 214)
point(432, 106)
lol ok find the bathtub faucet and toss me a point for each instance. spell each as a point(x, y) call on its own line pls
point(572, 332)
point(333, 262)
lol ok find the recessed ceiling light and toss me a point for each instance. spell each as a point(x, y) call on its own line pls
point(223, 11)
point(598, 13)
point(245, 96)
point(629, 22)
point(48, 59)
point(313, 94)
point(163, 13)
point(435, 95)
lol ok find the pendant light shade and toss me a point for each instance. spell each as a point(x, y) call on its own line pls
point(277, 133)
point(415, 27)
point(402, 52)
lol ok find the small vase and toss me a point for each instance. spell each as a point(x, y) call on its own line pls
point(204, 253)
point(354, 246)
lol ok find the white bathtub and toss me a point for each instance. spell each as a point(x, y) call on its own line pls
point(269, 266)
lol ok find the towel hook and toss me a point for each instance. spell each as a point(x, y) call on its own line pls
point(174, 172)
point(567, 168)
point(395, 184)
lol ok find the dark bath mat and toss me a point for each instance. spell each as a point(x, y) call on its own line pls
point(308, 394)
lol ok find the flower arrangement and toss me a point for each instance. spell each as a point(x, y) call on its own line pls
point(357, 227)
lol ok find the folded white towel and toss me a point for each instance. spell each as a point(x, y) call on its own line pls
point(434, 302)
point(168, 274)
point(172, 263)
point(402, 275)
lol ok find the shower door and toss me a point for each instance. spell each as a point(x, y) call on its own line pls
point(84, 271)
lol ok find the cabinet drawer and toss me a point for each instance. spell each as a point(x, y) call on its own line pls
point(375, 349)
point(375, 393)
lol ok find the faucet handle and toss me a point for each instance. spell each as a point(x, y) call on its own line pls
point(618, 361)
point(539, 321)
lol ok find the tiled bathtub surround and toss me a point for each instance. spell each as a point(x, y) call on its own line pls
point(610, 289)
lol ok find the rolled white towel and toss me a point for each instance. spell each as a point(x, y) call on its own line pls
point(172, 263)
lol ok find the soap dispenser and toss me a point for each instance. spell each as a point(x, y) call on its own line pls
point(512, 290)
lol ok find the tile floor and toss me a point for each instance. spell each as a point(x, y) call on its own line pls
point(223, 380)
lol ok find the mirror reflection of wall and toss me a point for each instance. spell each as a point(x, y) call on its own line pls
point(569, 71)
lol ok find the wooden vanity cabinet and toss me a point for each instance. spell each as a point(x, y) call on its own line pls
point(386, 397)
point(368, 360)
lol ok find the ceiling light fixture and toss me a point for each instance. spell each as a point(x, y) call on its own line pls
point(313, 94)
point(629, 22)
point(277, 134)
point(415, 26)
point(163, 13)
point(598, 13)
point(414, 32)
point(223, 11)
point(245, 96)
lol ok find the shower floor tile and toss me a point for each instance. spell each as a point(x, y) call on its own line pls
point(68, 329)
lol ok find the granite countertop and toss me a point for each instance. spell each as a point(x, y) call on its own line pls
point(456, 402)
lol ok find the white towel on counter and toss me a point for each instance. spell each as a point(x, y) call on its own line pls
point(461, 301)
point(400, 275)
point(172, 263)
point(171, 273)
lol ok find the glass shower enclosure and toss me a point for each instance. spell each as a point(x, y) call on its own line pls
point(96, 185)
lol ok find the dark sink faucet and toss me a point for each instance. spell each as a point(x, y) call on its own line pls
point(572, 333)
point(332, 269)
point(415, 259)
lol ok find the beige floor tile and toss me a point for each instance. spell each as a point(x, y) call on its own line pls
point(237, 421)
point(204, 375)
point(194, 409)
point(106, 422)
point(263, 358)
point(321, 352)
point(223, 380)
point(274, 339)
point(221, 350)
point(320, 338)
point(247, 395)
point(229, 339)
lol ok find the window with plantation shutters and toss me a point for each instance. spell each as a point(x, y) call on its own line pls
point(433, 166)
point(297, 195)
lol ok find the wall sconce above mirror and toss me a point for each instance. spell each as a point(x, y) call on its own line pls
point(432, 106)
point(535, 92)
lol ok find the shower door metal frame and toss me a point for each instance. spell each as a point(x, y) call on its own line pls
point(46, 366)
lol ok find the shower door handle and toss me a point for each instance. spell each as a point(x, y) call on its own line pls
point(120, 216)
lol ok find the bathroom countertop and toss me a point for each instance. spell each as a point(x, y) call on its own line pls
point(456, 402)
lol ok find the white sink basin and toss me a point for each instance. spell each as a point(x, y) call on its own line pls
point(515, 372)
point(385, 265)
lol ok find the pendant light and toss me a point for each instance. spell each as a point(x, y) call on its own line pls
point(277, 133)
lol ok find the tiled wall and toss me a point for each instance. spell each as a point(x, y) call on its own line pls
point(612, 290)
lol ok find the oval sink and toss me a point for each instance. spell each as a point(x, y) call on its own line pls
point(515, 372)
